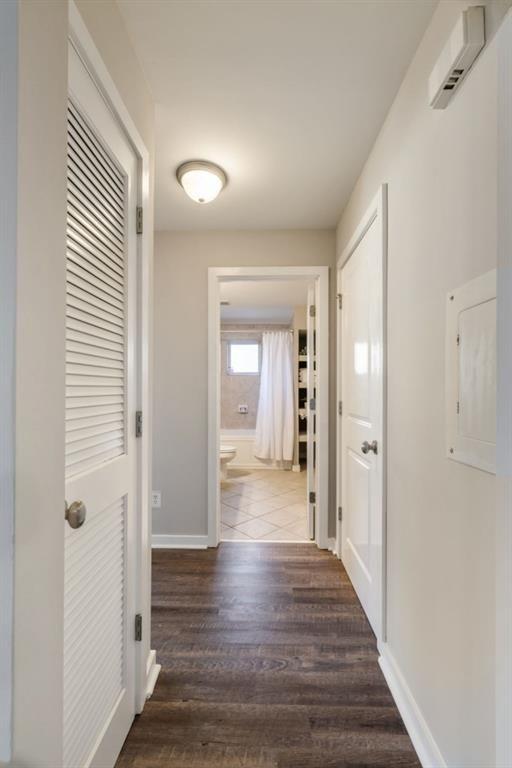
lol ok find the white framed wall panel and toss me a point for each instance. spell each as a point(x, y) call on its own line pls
point(471, 373)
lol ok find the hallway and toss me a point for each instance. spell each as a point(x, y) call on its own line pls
point(267, 662)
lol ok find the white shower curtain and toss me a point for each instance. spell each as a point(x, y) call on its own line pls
point(275, 421)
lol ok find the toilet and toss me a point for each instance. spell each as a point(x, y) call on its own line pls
point(227, 454)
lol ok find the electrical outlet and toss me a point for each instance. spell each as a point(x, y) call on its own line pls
point(243, 409)
point(156, 499)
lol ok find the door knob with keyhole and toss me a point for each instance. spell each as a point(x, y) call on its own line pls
point(366, 447)
point(75, 513)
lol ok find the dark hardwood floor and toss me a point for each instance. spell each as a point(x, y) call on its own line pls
point(268, 661)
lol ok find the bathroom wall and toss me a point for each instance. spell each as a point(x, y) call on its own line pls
point(239, 389)
point(181, 359)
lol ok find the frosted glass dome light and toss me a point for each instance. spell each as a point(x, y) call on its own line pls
point(202, 181)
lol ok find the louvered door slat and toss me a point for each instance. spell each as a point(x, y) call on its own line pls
point(95, 358)
point(81, 128)
point(93, 168)
point(76, 244)
point(88, 281)
point(79, 226)
point(92, 202)
point(80, 179)
point(93, 631)
point(89, 271)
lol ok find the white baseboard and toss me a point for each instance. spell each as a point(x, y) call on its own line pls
point(152, 672)
point(423, 741)
point(164, 541)
point(331, 545)
point(248, 465)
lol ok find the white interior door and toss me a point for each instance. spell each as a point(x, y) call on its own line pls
point(362, 428)
point(311, 411)
point(100, 424)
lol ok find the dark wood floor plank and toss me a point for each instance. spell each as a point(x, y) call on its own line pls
point(268, 661)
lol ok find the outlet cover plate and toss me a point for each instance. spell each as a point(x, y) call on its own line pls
point(156, 499)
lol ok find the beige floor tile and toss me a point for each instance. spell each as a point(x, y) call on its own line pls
point(226, 495)
point(300, 527)
point(255, 494)
point(255, 529)
point(299, 510)
point(237, 502)
point(280, 517)
point(232, 534)
point(294, 497)
point(232, 517)
point(259, 508)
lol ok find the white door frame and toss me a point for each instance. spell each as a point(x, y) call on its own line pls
point(320, 275)
point(377, 211)
point(146, 670)
point(504, 405)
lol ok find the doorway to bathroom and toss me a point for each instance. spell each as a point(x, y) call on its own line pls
point(268, 404)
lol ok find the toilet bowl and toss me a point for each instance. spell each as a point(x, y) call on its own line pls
point(227, 454)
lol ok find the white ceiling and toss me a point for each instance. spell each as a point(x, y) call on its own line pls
point(286, 95)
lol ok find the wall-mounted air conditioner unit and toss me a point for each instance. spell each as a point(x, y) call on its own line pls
point(465, 43)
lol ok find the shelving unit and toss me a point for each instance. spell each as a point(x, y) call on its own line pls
point(301, 338)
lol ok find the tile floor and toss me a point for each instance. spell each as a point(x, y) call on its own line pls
point(264, 505)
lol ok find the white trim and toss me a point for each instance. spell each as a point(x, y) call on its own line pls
point(504, 405)
point(331, 545)
point(152, 672)
point(166, 541)
point(266, 541)
point(8, 247)
point(378, 209)
point(321, 277)
point(423, 741)
point(85, 46)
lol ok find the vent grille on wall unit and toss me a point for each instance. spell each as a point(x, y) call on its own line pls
point(465, 43)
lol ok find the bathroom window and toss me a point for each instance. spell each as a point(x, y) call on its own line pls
point(243, 357)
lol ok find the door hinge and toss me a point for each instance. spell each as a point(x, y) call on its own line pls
point(312, 497)
point(312, 404)
point(312, 311)
point(139, 220)
point(458, 339)
point(138, 423)
point(138, 627)
point(340, 408)
point(340, 514)
point(458, 406)
point(339, 296)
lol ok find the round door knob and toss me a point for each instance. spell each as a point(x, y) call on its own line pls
point(366, 447)
point(75, 514)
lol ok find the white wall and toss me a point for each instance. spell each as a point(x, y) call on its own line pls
point(39, 479)
point(441, 168)
point(39, 420)
point(504, 402)
point(181, 324)
point(8, 227)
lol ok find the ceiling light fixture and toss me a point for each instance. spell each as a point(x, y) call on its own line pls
point(202, 181)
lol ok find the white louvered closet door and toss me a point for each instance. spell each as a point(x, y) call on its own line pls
point(100, 416)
